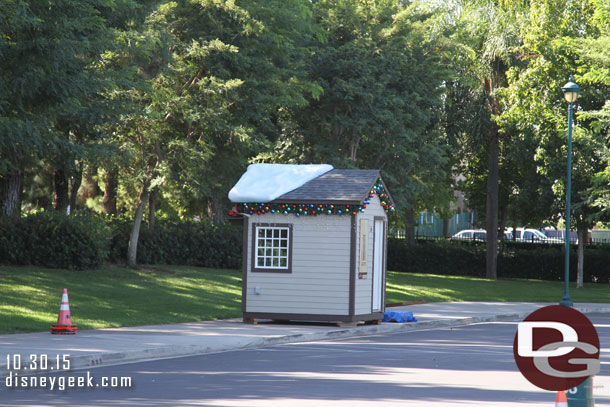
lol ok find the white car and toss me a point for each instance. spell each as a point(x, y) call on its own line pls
point(479, 235)
point(533, 236)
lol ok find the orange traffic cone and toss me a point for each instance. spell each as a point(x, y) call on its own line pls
point(561, 400)
point(64, 319)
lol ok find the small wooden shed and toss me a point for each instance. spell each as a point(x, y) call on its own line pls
point(314, 252)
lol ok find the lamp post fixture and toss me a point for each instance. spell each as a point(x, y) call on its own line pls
point(570, 93)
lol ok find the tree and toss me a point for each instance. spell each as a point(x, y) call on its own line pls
point(47, 52)
point(236, 68)
point(536, 109)
point(487, 31)
point(230, 70)
point(379, 66)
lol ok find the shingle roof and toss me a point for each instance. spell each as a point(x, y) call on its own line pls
point(335, 186)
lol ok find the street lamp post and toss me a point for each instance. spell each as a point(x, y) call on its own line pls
point(570, 93)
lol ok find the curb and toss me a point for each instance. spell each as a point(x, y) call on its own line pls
point(114, 358)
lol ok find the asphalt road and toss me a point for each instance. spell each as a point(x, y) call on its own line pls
point(466, 366)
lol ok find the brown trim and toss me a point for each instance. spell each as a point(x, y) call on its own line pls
point(387, 190)
point(373, 264)
point(383, 249)
point(385, 263)
point(244, 266)
point(384, 186)
point(313, 317)
point(253, 267)
point(353, 265)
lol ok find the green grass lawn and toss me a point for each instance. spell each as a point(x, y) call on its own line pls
point(434, 288)
point(115, 296)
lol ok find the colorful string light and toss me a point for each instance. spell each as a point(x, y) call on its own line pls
point(318, 209)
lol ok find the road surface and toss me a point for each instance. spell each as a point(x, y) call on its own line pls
point(465, 366)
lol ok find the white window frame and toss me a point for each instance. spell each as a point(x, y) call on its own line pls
point(276, 247)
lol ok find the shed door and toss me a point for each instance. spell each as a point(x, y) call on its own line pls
point(379, 238)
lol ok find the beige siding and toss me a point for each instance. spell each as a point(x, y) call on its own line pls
point(319, 282)
point(364, 287)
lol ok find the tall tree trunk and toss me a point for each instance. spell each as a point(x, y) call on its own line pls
point(152, 208)
point(503, 220)
point(446, 227)
point(409, 224)
point(61, 190)
point(132, 250)
point(216, 206)
point(76, 183)
point(10, 193)
point(90, 187)
point(492, 207)
point(111, 185)
point(580, 271)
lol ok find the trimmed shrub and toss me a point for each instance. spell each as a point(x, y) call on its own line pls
point(437, 257)
point(515, 260)
point(54, 239)
point(203, 243)
point(84, 241)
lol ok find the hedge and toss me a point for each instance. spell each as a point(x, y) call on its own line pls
point(515, 259)
point(85, 240)
point(200, 243)
point(54, 239)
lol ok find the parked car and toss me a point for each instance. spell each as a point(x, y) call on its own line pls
point(476, 234)
point(532, 236)
point(479, 235)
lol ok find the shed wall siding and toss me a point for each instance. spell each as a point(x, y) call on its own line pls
point(364, 287)
point(319, 282)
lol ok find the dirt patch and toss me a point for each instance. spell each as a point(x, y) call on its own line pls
point(156, 271)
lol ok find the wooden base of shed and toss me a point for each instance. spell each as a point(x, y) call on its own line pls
point(340, 320)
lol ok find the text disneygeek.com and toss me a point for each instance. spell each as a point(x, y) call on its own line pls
point(84, 381)
point(27, 372)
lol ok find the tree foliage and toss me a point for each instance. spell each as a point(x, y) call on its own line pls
point(162, 104)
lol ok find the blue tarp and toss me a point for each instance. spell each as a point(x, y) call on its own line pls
point(398, 316)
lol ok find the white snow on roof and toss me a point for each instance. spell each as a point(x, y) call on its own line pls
point(265, 182)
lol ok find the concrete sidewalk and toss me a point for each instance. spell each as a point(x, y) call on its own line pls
point(129, 344)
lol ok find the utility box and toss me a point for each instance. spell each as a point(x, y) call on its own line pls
point(581, 395)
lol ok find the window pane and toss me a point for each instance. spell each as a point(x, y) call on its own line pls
point(272, 247)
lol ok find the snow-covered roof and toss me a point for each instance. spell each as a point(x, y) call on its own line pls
point(266, 182)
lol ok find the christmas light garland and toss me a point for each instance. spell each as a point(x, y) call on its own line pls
point(321, 209)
